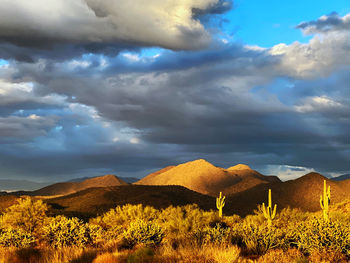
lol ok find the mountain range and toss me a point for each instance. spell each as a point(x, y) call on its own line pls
point(193, 182)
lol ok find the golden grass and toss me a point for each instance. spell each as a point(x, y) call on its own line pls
point(47, 255)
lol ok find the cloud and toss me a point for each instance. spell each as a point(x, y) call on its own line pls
point(17, 129)
point(326, 52)
point(63, 29)
point(217, 104)
point(64, 115)
point(327, 23)
point(318, 104)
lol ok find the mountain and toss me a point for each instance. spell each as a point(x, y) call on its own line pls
point(16, 185)
point(93, 201)
point(303, 193)
point(341, 177)
point(203, 177)
point(72, 187)
point(128, 180)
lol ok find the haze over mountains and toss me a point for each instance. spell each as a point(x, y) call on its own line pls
point(15, 185)
point(193, 182)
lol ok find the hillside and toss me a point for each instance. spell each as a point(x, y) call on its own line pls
point(303, 193)
point(72, 187)
point(203, 177)
point(94, 201)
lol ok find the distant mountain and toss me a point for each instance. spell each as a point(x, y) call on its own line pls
point(341, 177)
point(303, 193)
point(72, 187)
point(203, 177)
point(128, 180)
point(16, 185)
point(93, 201)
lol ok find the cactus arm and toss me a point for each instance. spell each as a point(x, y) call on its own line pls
point(274, 212)
point(321, 202)
point(264, 210)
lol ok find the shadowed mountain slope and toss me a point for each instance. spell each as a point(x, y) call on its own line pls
point(93, 201)
point(72, 187)
point(203, 177)
point(303, 193)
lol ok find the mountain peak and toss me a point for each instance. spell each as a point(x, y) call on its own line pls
point(199, 162)
point(240, 167)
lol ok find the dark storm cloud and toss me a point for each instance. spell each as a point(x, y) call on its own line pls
point(203, 104)
point(17, 129)
point(331, 22)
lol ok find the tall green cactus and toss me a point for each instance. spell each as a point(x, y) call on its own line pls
point(325, 201)
point(269, 213)
point(220, 203)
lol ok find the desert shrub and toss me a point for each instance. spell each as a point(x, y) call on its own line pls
point(27, 215)
point(141, 232)
point(290, 217)
point(258, 239)
point(183, 220)
point(116, 220)
point(192, 254)
point(10, 237)
point(257, 218)
point(318, 234)
point(231, 220)
point(218, 234)
point(141, 255)
point(63, 232)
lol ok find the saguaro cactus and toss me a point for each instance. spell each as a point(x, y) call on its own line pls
point(220, 203)
point(269, 213)
point(325, 200)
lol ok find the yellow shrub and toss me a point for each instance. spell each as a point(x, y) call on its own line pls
point(63, 232)
point(27, 215)
point(183, 220)
point(116, 220)
point(318, 234)
point(15, 238)
point(141, 232)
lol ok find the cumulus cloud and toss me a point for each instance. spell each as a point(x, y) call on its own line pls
point(36, 29)
point(326, 52)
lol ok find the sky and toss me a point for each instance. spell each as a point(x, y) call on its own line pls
point(90, 87)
